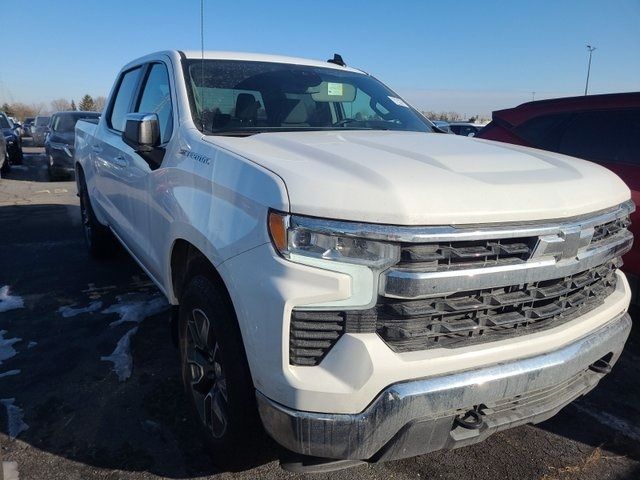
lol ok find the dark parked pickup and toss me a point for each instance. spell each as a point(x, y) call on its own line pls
point(60, 142)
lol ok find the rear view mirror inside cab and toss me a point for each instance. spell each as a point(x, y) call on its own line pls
point(333, 92)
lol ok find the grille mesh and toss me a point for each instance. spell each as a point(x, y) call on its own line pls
point(604, 232)
point(455, 320)
point(468, 254)
point(313, 334)
point(479, 315)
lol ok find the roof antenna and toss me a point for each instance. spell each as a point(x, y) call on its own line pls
point(202, 64)
point(337, 59)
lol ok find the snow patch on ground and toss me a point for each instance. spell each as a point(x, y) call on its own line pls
point(6, 346)
point(9, 302)
point(611, 421)
point(10, 471)
point(9, 373)
point(121, 356)
point(32, 344)
point(69, 311)
point(135, 307)
point(14, 415)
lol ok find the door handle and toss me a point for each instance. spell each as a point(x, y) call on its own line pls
point(120, 161)
point(96, 148)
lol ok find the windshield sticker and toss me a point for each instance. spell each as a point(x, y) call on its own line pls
point(334, 89)
point(398, 101)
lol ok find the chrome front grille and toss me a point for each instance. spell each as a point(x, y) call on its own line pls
point(482, 315)
point(455, 286)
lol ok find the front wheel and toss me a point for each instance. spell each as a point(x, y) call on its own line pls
point(215, 372)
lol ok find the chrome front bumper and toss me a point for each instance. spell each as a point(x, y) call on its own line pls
point(420, 416)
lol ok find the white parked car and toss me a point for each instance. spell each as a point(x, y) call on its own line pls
point(368, 289)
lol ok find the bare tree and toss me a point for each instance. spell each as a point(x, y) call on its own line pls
point(98, 103)
point(60, 105)
point(446, 116)
point(22, 110)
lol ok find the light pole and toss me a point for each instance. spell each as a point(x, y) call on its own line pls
point(591, 49)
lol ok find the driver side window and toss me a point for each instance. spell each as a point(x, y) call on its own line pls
point(156, 98)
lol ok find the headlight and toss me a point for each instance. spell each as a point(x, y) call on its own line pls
point(300, 238)
point(61, 146)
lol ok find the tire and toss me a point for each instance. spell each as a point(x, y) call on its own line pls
point(100, 240)
point(6, 166)
point(18, 157)
point(52, 174)
point(216, 374)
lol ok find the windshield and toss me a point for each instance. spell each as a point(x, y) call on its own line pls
point(67, 123)
point(242, 97)
point(4, 122)
point(42, 121)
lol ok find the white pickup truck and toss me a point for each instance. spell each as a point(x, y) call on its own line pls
point(366, 288)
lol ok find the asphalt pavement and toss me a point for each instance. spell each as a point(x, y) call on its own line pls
point(90, 386)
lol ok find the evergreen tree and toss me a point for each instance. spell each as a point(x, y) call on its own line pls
point(73, 106)
point(87, 104)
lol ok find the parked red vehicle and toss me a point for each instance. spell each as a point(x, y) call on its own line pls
point(602, 128)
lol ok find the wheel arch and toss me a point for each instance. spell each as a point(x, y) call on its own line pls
point(187, 261)
point(79, 176)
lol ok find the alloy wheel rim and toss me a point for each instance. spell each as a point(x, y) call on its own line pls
point(206, 375)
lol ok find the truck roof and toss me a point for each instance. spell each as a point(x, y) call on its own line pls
point(262, 57)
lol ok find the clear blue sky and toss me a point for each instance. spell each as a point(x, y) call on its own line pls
point(468, 56)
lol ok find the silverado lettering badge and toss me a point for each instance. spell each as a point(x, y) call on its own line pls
point(195, 156)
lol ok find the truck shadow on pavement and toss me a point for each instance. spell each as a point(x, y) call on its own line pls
point(81, 418)
point(73, 402)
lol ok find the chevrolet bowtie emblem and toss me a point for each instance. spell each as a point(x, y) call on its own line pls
point(565, 244)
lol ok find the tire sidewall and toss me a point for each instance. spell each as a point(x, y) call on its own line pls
point(100, 241)
point(201, 293)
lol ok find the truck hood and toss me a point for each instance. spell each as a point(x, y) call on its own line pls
point(412, 178)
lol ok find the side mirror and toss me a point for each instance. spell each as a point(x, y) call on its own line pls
point(141, 131)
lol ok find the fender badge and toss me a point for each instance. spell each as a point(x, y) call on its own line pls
point(195, 156)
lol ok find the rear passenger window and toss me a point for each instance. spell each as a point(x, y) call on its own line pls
point(156, 98)
point(122, 102)
point(604, 136)
point(543, 131)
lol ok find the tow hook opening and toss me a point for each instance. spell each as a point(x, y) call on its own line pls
point(471, 419)
point(602, 365)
